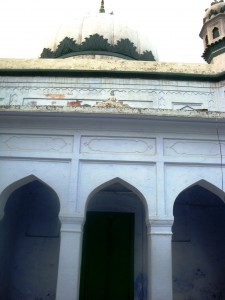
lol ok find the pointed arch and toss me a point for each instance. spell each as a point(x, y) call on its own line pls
point(215, 32)
point(207, 186)
point(16, 185)
point(206, 40)
point(198, 243)
point(123, 183)
point(116, 209)
point(31, 224)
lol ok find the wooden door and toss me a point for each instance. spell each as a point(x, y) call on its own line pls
point(108, 257)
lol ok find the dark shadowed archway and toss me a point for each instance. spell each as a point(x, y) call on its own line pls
point(198, 245)
point(29, 243)
point(114, 256)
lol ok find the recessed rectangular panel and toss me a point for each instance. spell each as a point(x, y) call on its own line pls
point(118, 145)
point(181, 147)
point(40, 143)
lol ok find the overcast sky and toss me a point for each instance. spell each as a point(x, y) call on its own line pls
point(174, 25)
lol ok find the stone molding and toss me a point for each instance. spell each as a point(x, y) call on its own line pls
point(159, 227)
point(71, 223)
point(22, 66)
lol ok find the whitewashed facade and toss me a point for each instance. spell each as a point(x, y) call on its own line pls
point(157, 138)
point(112, 168)
point(142, 138)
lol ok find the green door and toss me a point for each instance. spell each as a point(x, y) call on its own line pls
point(107, 271)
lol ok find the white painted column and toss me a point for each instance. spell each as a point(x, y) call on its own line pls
point(69, 258)
point(160, 260)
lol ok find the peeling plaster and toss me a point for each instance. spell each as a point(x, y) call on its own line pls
point(200, 114)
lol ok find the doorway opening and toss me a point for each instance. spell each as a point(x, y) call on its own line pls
point(114, 256)
point(29, 243)
point(198, 245)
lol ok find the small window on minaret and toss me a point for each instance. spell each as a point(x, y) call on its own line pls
point(215, 32)
point(206, 40)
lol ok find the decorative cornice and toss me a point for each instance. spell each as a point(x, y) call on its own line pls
point(71, 218)
point(97, 44)
point(212, 77)
point(214, 50)
point(102, 68)
point(71, 223)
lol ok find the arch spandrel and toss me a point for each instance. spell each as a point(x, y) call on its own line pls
point(13, 186)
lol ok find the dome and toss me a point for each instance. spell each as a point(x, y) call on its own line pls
point(100, 34)
point(215, 8)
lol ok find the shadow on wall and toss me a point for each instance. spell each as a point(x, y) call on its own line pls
point(198, 246)
point(200, 288)
point(29, 244)
point(140, 287)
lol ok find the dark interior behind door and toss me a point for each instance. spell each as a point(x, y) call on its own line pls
point(108, 257)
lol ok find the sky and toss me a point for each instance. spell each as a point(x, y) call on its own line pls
point(174, 25)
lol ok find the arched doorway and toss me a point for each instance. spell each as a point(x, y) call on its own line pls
point(198, 245)
point(114, 256)
point(29, 243)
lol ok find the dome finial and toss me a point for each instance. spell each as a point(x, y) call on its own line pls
point(102, 9)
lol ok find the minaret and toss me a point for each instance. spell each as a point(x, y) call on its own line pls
point(213, 33)
point(102, 8)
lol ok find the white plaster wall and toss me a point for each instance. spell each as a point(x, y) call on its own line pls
point(76, 156)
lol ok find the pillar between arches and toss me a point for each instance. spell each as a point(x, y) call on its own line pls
point(160, 260)
point(69, 257)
